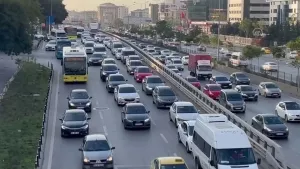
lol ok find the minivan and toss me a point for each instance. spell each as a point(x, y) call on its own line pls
point(232, 100)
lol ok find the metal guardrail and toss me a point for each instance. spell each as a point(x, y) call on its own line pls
point(264, 146)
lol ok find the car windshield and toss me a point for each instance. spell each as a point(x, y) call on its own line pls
point(171, 67)
point(127, 90)
point(247, 88)
point(234, 97)
point(118, 45)
point(221, 79)
point(173, 166)
point(100, 49)
point(191, 130)
point(144, 70)
point(109, 62)
point(136, 63)
point(192, 79)
point(204, 68)
point(235, 156)
point(272, 120)
point(166, 51)
point(162, 57)
point(273, 64)
point(134, 58)
point(156, 48)
point(292, 106)
point(151, 51)
point(127, 53)
point(271, 86)
point(177, 62)
point(52, 42)
point(166, 92)
point(98, 55)
point(75, 117)
point(186, 109)
point(89, 45)
point(96, 145)
point(150, 46)
point(79, 95)
point(110, 68)
point(176, 70)
point(240, 75)
point(154, 80)
point(136, 110)
point(175, 54)
point(119, 50)
point(116, 78)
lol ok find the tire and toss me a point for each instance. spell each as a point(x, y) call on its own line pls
point(178, 138)
point(170, 117)
point(286, 118)
point(187, 148)
point(176, 123)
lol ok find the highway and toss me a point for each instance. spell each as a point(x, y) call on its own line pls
point(284, 65)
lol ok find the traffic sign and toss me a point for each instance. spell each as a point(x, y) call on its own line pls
point(50, 19)
point(257, 32)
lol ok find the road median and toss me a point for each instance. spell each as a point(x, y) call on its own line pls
point(21, 116)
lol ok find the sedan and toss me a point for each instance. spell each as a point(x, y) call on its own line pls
point(171, 66)
point(270, 125)
point(269, 89)
point(51, 45)
point(269, 66)
point(96, 59)
point(135, 115)
point(132, 65)
point(96, 152)
point(182, 111)
point(150, 82)
point(80, 99)
point(163, 96)
point(185, 60)
point(108, 61)
point(223, 81)
point(118, 54)
point(239, 78)
point(176, 71)
point(126, 93)
point(212, 90)
point(247, 92)
point(141, 72)
point(165, 52)
point(113, 81)
point(288, 110)
point(74, 122)
point(108, 69)
point(194, 81)
point(185, 134)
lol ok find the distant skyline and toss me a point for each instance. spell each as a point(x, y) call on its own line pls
point(79, 5)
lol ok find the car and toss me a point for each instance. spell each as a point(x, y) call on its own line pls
point(165, 52)
point(162, 58)
point(212, 90)
point(157, 50)
point(270, 125)
point(141, 72)
point(142, 45)
point(232, 100)
point(126, 93)
point(224, 51)
point(80, 99)
point(96, 59)
point(169, 59)
point(292, 54)
point(113, 81)
point(182, 111)
point(194, 81)
point(266, 50)
point(127, 51)
point(185, 134)
point(248, 92)
point(51, 45)
point(239, 78)
point(74, 42)
point(176, 71)
point(118, 54)
point(174, 54)
point(171, 67)
point(269, 89)
point(96, 152)
point(145, 49)
point(115, 47)
point(108, 69)
point(108, 61)
point(163, 96)
point(132, 57)
point(288, 110)
point(74, 122)
point(185, 60)
point(135, 115)
point(223, 81)
point(178, 63)
point(132, 65)
point(149, 47)
point(150, 82)
point(201, 48)
point(151, 51)
point(269, 66)
point(100, 48)
point(89, 47)
point(168, 163)
point(106, 41)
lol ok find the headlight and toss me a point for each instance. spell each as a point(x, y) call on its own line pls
point(85, 126)
point(110, 86)
point(89, 103)
point(267, 129)
point(90, 60)
point(280, 91)
point(147, 120)
point(137, 98)
point(286, 129)
point(71, 104)
point(179, 120)
point(230, 84)
point(120, 98)
point(109, 158)
point(229, 104)
point(86, 160)
point(64, 127)
point(244, 94)
point(104, 73)
point(244, 104)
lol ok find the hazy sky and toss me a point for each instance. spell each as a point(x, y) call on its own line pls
point(81, 5)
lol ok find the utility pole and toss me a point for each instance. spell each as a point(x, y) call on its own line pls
point(219, 24)
point(49, 22)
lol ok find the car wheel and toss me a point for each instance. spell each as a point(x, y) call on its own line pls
point(178, 138)
point(124, 126)
point(286, 118)
point(187, 148)
point(176, 123)
point(170, 116)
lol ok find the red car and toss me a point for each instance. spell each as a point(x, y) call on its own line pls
point(141, 72)
point(212, 90)
point(194, 81)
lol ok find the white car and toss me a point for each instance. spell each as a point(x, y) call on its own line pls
point(118, 54)
point(174, 54)
point(185, 134)
point(106, 41)
point(126, 93)
point(108, 61)
point(269, 89)
point(288, 110)
point(178, 64)
point(270, 66)
point(50, 45)
point(224, 51)
point(132, 57)
point(182, 111)
point(150, 47)
point(165, 52)
point(89, 47)
point(176, 71)
point(185, 60)
point(292, 55)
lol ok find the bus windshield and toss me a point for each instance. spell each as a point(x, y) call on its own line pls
point(61, 35)
point(76, 66)
point(71, 31)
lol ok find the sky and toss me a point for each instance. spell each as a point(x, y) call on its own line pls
point(84, 5)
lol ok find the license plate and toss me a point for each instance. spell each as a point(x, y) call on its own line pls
point(74, 132)
point(238, 108)
point(279, 134)
point(138, 124)
point(275, 94)
point(168, 106)
point(251, 97)
point(98, 165)
point(80, 107)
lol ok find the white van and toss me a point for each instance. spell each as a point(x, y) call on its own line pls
point(219, 144)
point(237, 59)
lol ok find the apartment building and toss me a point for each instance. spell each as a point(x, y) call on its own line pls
point(122, 12)
point(154, 12)
point(251, 9)
point(284, 11)
point(172, 11)
point(107, 13)
point(143, 13)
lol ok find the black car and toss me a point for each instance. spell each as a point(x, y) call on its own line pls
point(247, 92)
point(97, 58)
point(239, 78)
point(80, 99)
point(163, 96)
point(96, 152)
point(108, 69)
point(74, 122)
point(113, 81)
point(150, 82)
point(222, 81)
point(135, 115)
point(270, 125)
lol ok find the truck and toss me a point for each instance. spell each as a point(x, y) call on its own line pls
point(94, 28)
point(200, 65)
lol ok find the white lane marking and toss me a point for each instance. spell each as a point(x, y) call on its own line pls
point(105, 130)
point(175, 155)
point(152, 121)
point(164, 138)
point(101, 115)
point(53, 124)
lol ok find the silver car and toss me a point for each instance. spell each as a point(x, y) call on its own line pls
point(50, 45)
point(126, 93)
point(269, 89)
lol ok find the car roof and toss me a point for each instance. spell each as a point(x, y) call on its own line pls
point(134, 104)
point(243, 85)
point(239, 73)
point(108, 59)
point(153, 76)
point(170, 160)
point(268, 115)
point(139, 67)
point(220, 76)
point(229, 91)
point(133, 56)
point(135, 61)
point(92, 137)
point(109, 65)
point(99, 45)
point(79, 90)
point(182, 103)
point(267, 83)
point(75, 111)
point(126, 85)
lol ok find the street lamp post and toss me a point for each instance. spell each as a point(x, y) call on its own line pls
point(219, 23)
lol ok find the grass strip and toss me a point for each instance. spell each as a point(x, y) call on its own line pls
point(21, 116)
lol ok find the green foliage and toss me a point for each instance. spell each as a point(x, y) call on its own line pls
point(278, 52)
point(204, 38)
point(251, 52)
point(295, 44)
point(246, 26)
point(118, 23)
point(58, 10)
point(163, 29)
point(134, 29)
point(214, 41)
point(192, 36)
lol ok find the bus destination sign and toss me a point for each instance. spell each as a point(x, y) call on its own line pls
point(75, 59)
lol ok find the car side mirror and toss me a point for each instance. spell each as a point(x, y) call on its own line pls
point(112, 148)
point(91, 97)
point(88, 118)
point(283, 108)
point(60, 119)
point(68, 98)
point(258, 161)
point(80, 149)
point(61, 62)
point(148, 112)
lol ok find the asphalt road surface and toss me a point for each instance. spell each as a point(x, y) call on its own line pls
point(7, 69)
point(286, 71)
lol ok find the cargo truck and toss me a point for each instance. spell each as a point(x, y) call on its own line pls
point(94, 28)
point(200, 65)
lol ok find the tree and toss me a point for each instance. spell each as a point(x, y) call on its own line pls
point(192, 36)
point(134, 29)
point(246, 26)
point(278, 53)
point(296, 64)
point(214, 41)
point(163, 29)
point(251, 52)
point(118, 23)
point(17, 20)
point(59, 11)
point(204, 38)
point(295, 44)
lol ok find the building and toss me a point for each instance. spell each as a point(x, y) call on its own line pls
point(172, 11)
point(122, 12)
point(143, 13)
point(154, 12)
point(283, 11)
point(251, 9)
point(217, 8)
point(107, 13)
point(134, 20)
point(81, 17)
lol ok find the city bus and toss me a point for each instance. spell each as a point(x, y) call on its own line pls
point(71, 32)
point(74, 65)
point(58, 34)
point(60, 44)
